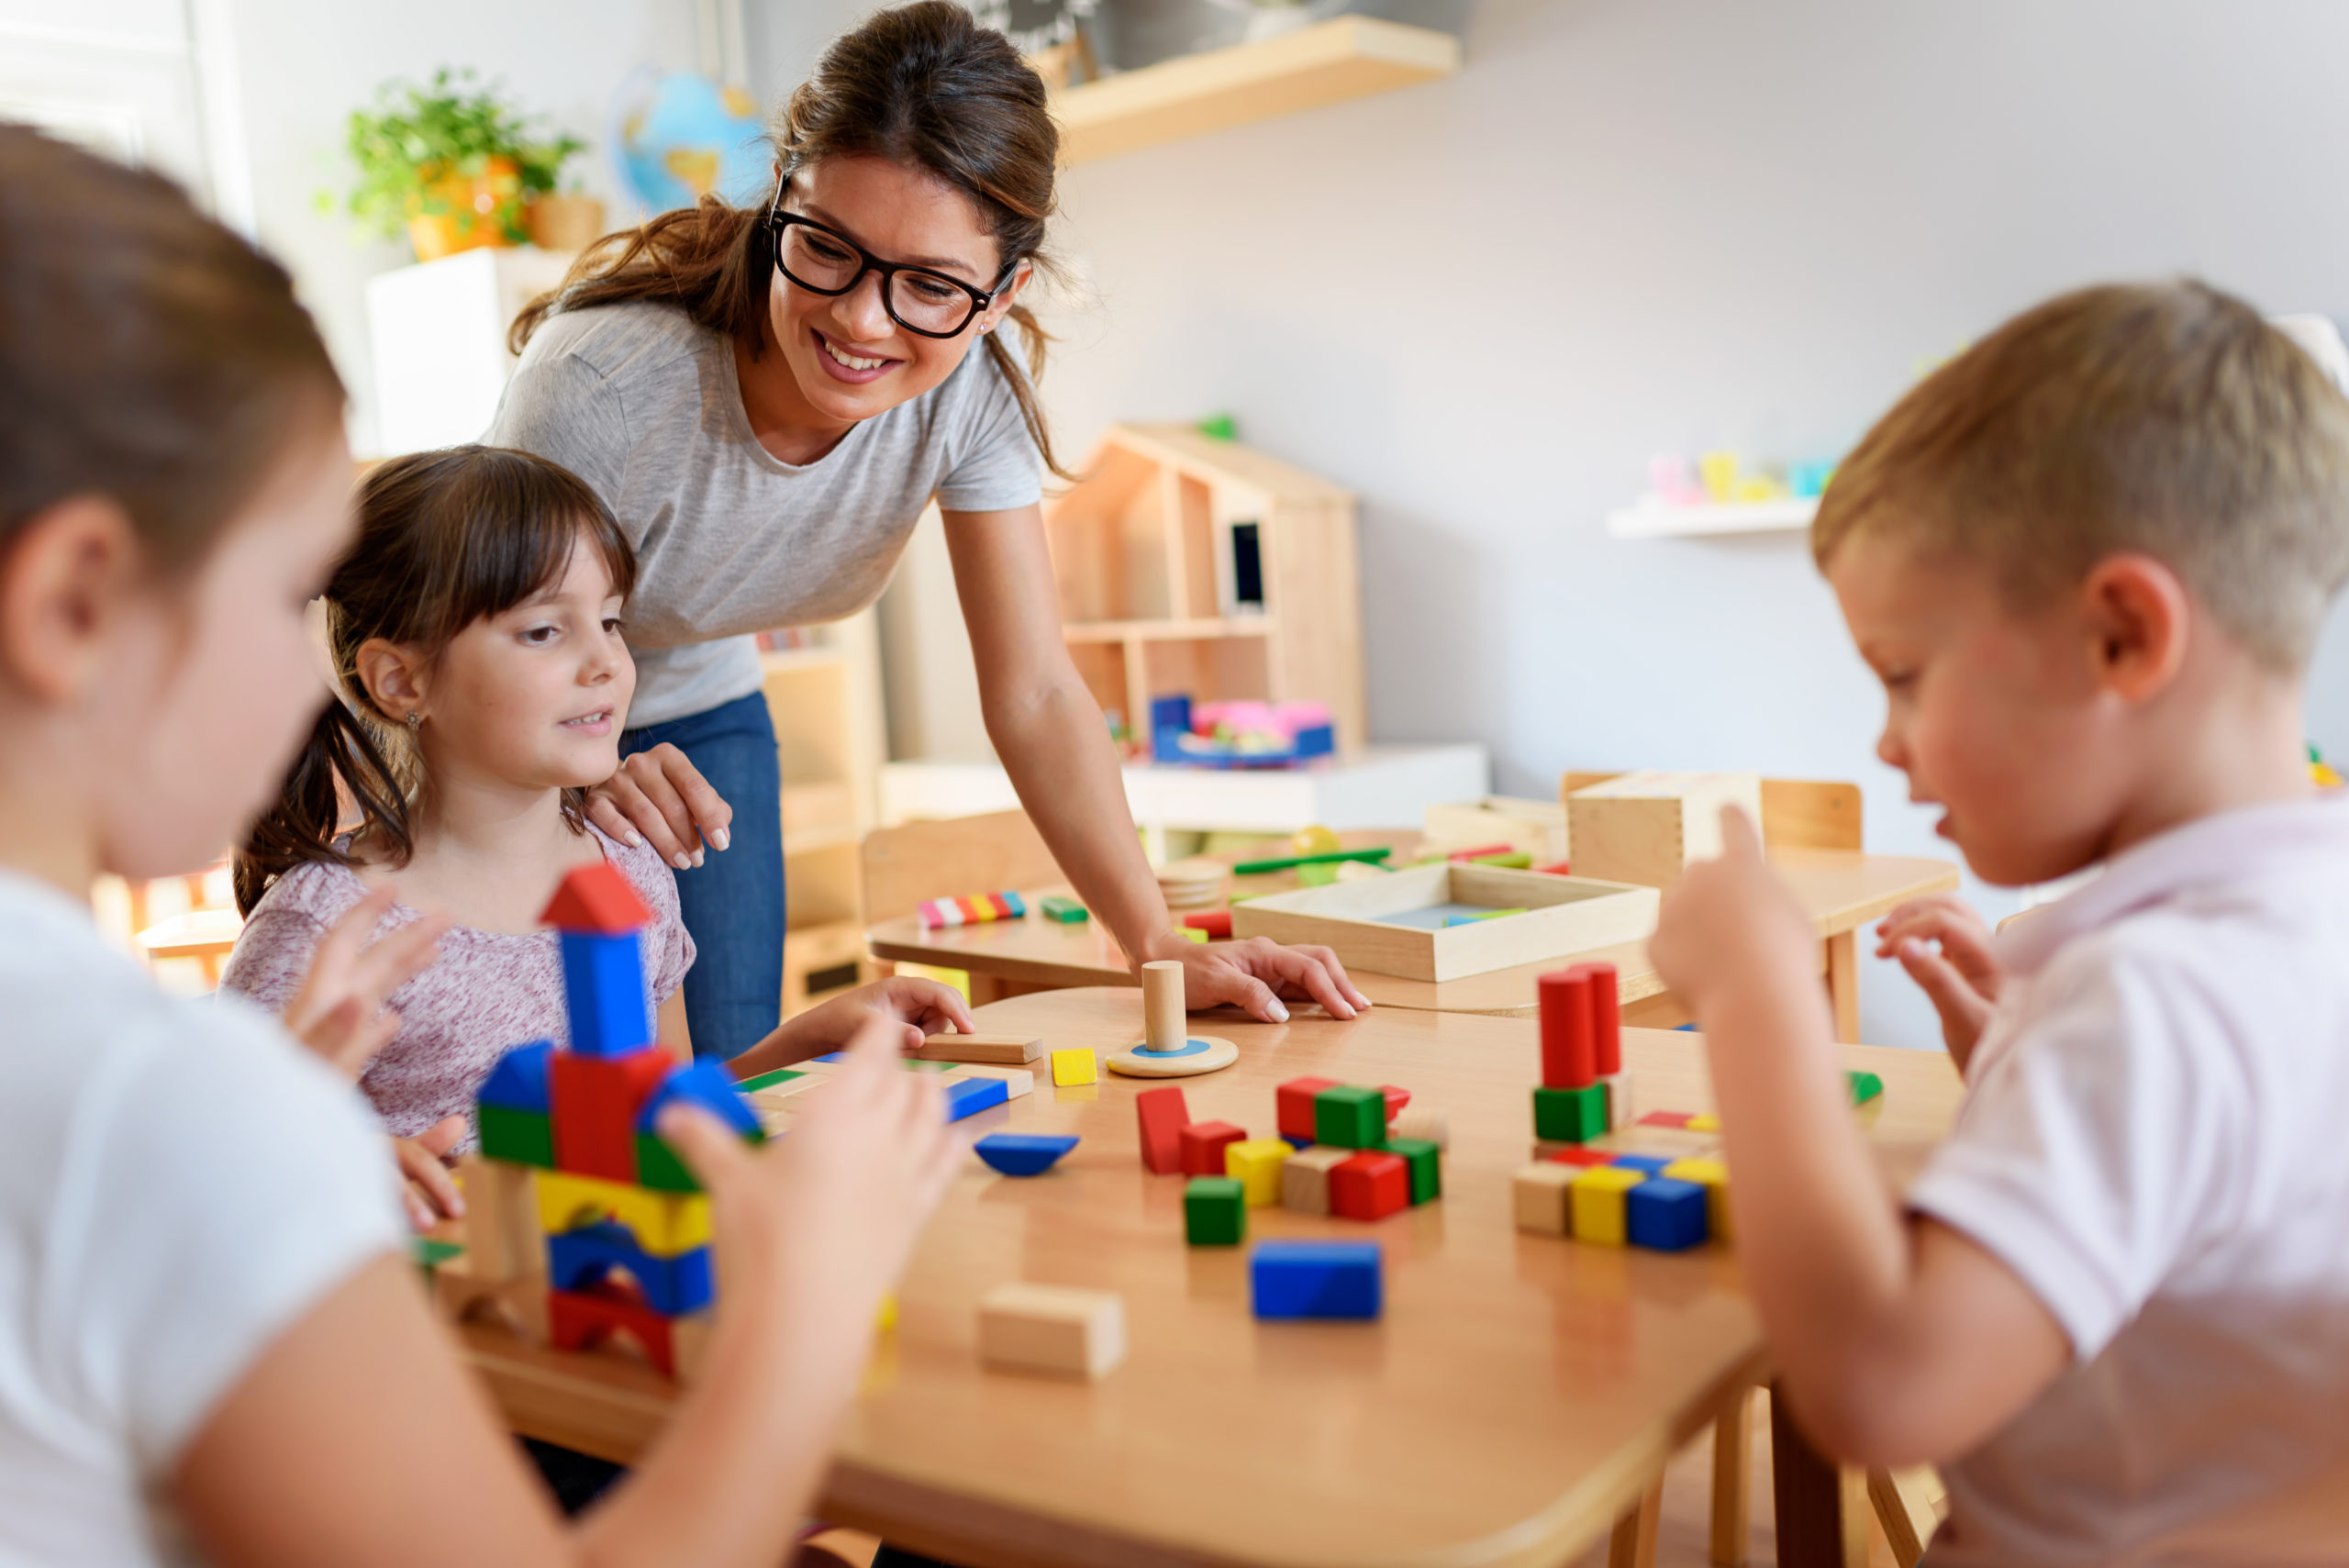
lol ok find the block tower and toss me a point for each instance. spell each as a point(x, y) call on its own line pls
point(1585, 1092)
point(576, 1189)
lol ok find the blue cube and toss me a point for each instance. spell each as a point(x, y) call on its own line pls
point(518, 1082)
point(1652, 1164)
point(972, 1096)
point(710, 1087)
point(1315, 1279)
point(603, 987)
point(1666, 1214)
point(1023, 1153)
point(672, 1286)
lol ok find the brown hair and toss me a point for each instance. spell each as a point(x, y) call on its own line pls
point(2164, 418)
point(445, 538)
point(146, 353)
point(923, 85)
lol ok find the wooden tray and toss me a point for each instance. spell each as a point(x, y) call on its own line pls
point(1357, 919)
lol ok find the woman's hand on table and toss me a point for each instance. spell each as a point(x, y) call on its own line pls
point(1258, 975)
point(660, 798)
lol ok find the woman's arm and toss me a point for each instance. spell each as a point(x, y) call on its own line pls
point(1048, 731)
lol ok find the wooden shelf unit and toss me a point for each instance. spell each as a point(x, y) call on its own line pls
point(1155, 580)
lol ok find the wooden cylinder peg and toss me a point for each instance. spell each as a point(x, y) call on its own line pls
point(1166, 1025)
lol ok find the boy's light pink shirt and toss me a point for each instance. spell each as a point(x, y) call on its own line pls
point(2156, 1139)
point(488, 992)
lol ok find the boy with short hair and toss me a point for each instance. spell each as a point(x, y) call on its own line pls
point(2088, 559)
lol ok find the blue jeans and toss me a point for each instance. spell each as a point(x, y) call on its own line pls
point(733, 904)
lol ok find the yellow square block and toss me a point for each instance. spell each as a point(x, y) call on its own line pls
point(1597, 1196)
point(664, 1224)
point(1704, 1121)
point(1255, 1164)
point(1713, 1176)
point(1074, 1066)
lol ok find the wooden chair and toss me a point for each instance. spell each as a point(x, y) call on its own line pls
point(907, 865)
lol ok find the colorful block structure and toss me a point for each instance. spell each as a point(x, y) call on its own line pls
point(974, 910)
point(1584, 1092)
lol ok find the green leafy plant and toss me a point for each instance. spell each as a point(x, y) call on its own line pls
point(415, 142)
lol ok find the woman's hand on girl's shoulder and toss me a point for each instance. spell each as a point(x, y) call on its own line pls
point(1258, 973)
point(339, 1011)
point(660, 798)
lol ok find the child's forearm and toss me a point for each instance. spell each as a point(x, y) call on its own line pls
point(793, 1040)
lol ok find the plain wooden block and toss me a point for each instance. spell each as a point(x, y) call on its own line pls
point(502, 1237)
point(1304, 1177)
point(1619, 1101)
point(1073, 1066)
point(1539, 1195)
point(1422, 1122)
point(1052, 1329)
point(998, 1050)
point(1645, 826)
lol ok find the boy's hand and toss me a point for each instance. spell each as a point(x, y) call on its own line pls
point(924, 1007)
point(1730, 928)
point(338, 1012)
point(1963, 978)
point(427, 1189)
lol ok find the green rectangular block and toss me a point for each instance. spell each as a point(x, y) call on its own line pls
point(1427, 1166)
point(429, 1254)
point(1215, 1211)
point(1066, 911)
point(1865, 1087)
point(519, 1137)
point(658, 1167)
point(1350, 1117)
point(769, 1080)
point(1570, 1116)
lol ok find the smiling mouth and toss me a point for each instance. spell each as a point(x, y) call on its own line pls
point(848, 361)
point(585, 720)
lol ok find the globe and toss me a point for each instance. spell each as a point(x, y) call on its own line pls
point(679, 137)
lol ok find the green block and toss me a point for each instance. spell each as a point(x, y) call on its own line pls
point(1067, 911)
point(1426, 1161)
point(1865, 1087)
point(1570, 1116)
point(918, 1065)
point(769, 1080)
point(429, 1254)
point(1350, 1117)
point(1316, 876)
point(658, 1167)
point(1215, 1211)
point(519, 1137)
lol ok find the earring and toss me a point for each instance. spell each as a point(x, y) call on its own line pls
point(415, 718)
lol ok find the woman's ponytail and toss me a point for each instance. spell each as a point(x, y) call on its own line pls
point(340, 766)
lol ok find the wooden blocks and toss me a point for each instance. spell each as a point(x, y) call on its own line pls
point(1294, 1105)
point(1215, 923)
point(1713, 1176)
point(997, 1050)
point(1618, 1086)
point(1585, 1092)
point(1569, 1039)
point(1256, 1164)
point(1425, 1165)
point(672, 1286)
point(597, 1098)
point(521, 1137)
point(1349, 1116)
point(1424, 1123)
point(1370, 1186)
point(1597, 1200)
point(1167, 1049)
point(1073, 1066)
point(1016, 1080)
point(1023, 1153)
point(1215, 1211)
point(501, 1219)
point(1645, 826)
point(1052, 1328)
point(977, 909)
point(969, 1097)
point(578, 1320)
point(1304, 1177)
point(460, 1295)
point(1665, 1215)
point(1538, 1193)
point(1316, 1279)
point(1063, 911)
point(664, 1223)
point(1203, 1143)
point(1570, 1116)
point(1865, 1086)
point(1165, 1024)
point(1162, 1116)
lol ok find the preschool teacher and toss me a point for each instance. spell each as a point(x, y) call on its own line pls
point(767, 399)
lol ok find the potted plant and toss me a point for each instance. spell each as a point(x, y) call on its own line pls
point(452, 164)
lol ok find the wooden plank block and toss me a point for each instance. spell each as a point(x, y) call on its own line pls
point(1645, 826)
point(1001, 1050)
point(503, 1240)
point(1052, 1329)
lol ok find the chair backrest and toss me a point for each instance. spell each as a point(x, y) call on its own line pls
point(953, 857)
point(1796, 814)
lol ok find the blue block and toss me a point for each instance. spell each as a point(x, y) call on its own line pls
point(710, 1087)
point(518, 1082)
point(835, 1057)
point(671, 1287)
point(1022, 1153)
point(1316, 1279)
point(1666, 1214)
point(1299, 1143)
point(973, 1095)
point(1652, 1164)
point(603, 987)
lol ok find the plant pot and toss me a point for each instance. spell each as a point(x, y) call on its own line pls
point(564, 223)
point(455, 212)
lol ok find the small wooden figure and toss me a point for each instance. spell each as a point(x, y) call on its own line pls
point(1052, 1329)
point(1167, 1049)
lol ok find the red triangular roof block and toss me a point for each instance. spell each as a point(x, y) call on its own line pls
point(596, 898)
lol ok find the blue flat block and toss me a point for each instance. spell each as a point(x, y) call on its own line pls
point(1652, 1164)
point(671, 1287)
point(973, 1095)
point(603, 987)
point(1666, 1214)
point(1316, 1279)
point(518, 1082)
point(710, 1087)
point(834, 1057)
point(1299, 1143)
point(1023, 1153)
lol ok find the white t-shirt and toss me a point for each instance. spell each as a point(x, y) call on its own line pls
point(179, 1183)
point(2156, 1139)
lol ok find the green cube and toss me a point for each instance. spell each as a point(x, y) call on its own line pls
point(769, 1080)
point(1427, 1166)
point(1350, 1117)
point(1865, 1087)
point(1215, 1211)
point(658, 1167)
point(519, 1137)
point(1570, 1116)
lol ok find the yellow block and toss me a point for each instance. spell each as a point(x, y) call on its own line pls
point(1704, 1121)
point(1255, 1164)
point(1598, 1210)
point(1713, 1176)
point(1073, 1066)
point(664, 1224)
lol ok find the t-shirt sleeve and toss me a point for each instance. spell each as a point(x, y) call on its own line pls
point(996, 466)
point(219, 1184)
point(2095, 1148)
point(273, 956)
point(562, 408)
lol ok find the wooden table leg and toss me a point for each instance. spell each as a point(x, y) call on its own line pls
point(1732, 1467)
point(1822, 1508)
point(1844, 984)
point(1633, 1542)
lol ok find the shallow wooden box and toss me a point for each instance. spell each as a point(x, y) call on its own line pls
point(1353, 919)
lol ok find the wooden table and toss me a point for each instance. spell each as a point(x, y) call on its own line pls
point(1520, 1395)
point(1840, 890)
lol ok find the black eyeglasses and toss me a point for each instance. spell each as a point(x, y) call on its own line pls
point(921, 301)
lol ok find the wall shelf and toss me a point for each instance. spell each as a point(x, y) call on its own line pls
point(1655, 520)
point(1329, 62)
point(1168, 631)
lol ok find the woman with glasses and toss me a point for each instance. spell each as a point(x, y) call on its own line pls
point(768, 399)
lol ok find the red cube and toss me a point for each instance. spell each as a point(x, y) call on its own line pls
point(1294, 1102)
point(1582, 1157)
point(1164, 1115)
point(1203, 1145)
point(1216, 923)
point(1371, 1186)
point(1665, 1118)
point(1396, 1099)
point(596, 1099)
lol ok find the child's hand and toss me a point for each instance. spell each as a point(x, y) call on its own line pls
point(427, 1189)
point(924, 1007)
point(1963, 978)
point(659, 797)
point(1730, 929)
point(338, 1012)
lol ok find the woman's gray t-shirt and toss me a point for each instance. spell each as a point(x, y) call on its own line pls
point(643, 405)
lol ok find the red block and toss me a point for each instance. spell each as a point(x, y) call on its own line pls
point(596, 1099)
point(1561, 869)
point(1294, 1105)
point(973, 912)
point(1480, 849)
point(1203, 1145)
point(1582, 1157)
point(1163, 1116)
point(579, 1320)
point(1606, 1017)
point(1001, 905)
point(1569, 1053)
point(596, 898)
point(1371, 1186)
point(1665, 1118)
point(1396, 1099)
point(1216, 923)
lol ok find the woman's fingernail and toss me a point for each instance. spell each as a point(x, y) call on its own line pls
point(720, 840)
point(682, 861)
point(697, 860)
point(635, 839)
point(1280, 1014)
